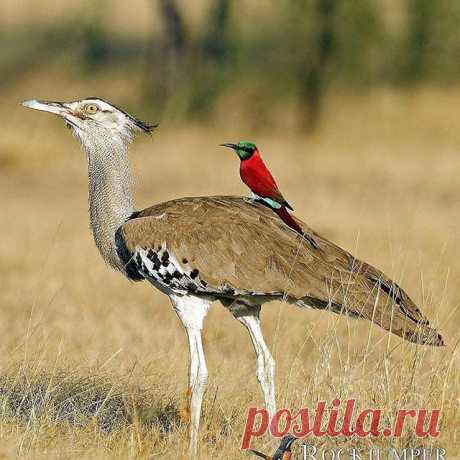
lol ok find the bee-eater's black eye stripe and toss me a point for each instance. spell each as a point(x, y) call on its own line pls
point(248, 149)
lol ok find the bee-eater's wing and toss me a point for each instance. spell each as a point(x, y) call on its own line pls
point(281, 200)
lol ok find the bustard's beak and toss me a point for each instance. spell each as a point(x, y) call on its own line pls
point(58, 108)
point(230, 146)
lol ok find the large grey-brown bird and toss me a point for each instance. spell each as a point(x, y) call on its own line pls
point(227, 248)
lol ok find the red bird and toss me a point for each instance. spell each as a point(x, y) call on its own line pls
point(282, 453)
point(257, 177)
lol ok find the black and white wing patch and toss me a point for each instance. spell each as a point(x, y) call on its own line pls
point(162, 267)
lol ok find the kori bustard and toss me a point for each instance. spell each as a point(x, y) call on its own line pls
point(226, 248)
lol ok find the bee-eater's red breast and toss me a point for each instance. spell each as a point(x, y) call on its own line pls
point(256, 175)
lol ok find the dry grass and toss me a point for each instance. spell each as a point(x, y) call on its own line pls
point(94, 367)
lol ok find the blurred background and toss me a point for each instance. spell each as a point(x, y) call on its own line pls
point(273, 64)
point(355, 107)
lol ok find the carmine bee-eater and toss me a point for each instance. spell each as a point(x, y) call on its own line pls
point(258, 178)
point(282, 453)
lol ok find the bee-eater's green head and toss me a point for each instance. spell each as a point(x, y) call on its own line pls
point(244, 149)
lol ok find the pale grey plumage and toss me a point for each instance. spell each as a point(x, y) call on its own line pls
point(104, 137)
point(110, 182)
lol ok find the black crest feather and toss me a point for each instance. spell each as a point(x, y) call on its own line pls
point(142, 125)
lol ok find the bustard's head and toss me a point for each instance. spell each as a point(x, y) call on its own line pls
point(94, 119)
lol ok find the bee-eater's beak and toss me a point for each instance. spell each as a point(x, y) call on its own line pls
point(230, 146)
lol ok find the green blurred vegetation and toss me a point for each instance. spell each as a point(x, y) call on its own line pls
point(288, 52)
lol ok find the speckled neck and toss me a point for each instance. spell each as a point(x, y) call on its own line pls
point(110, 198)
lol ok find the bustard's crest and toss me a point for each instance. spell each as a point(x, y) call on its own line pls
point(94, 117)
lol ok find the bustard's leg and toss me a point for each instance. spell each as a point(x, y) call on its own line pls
point(249, 317)
point(192, 311)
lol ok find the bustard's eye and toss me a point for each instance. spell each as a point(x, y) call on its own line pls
point(90, 109)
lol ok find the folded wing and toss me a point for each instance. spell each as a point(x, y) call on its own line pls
point(230, 247)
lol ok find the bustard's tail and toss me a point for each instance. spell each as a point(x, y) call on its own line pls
point(370, 294)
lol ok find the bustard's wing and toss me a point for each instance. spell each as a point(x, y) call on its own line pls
point(230, 247)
